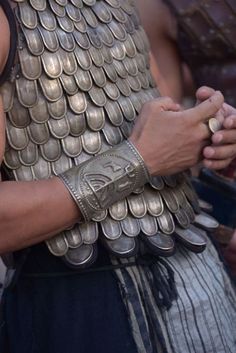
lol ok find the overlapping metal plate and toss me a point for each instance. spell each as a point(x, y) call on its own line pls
point(82, 79)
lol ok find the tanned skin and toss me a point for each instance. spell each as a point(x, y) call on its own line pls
point(34, 211)
point(30, 212)
point(161, 28)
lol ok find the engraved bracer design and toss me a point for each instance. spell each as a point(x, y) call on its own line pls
point(80, 82)
point(105, 179)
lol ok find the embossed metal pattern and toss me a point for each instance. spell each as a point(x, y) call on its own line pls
point(107, 178)
point(82, 78)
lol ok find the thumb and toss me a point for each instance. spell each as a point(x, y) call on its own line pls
point(203, 93)
point(203, 111)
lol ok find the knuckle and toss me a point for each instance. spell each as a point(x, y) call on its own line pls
point(227, 152)
point(216, 165)
point(223, 164)
point(232, 152)
point(165, 102)
point(151, 105)
point(217, 100)
point(166, 99)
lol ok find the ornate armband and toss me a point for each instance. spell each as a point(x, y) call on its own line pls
point(111, 176)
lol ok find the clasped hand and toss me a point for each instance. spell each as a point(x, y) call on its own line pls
point(222, 150)
point(171, 140)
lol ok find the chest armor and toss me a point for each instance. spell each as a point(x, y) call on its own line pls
point(80, 81)
point(207, 32)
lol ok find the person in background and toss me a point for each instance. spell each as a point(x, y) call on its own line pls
point(193, 44)
point(95, 193)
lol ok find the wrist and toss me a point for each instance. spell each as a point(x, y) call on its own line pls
point(109, 177)
point(146, 156)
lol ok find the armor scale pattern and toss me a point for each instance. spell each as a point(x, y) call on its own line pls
point(207, 32)
point(82, 77)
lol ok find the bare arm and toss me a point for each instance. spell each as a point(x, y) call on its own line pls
point(33, 211)
point(30, 212)
point(161, 29)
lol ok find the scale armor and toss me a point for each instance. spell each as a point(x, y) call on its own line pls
point(81, 78)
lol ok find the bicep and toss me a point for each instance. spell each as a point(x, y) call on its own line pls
point(160, 81)
point(168, 61)
point(161, 29)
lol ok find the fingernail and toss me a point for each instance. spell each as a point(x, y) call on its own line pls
point(209, 152)
point(217, 138)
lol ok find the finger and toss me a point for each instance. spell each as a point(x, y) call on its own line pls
point(224, 137)
point(220, 116)
point(216, 164)
point(204, 93)
point(205, 132)
point(228, 109)
point(230, 122)
point(220, 152)
point(208, 108)
point(165, 103)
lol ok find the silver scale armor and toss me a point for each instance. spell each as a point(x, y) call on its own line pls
point(80, 82)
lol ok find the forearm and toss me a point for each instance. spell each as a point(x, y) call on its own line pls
point(31, 212)
point(34, 211)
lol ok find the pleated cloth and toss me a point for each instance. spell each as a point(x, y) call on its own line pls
point(201, 320)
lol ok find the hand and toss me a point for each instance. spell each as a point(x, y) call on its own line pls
point(223, 149)
point(170, 140)
point(230, 254)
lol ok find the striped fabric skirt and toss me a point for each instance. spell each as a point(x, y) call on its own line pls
point(127, 311)
point(201, 320)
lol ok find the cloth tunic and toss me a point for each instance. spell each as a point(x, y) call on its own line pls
point(117, 312)
point(206, 42)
